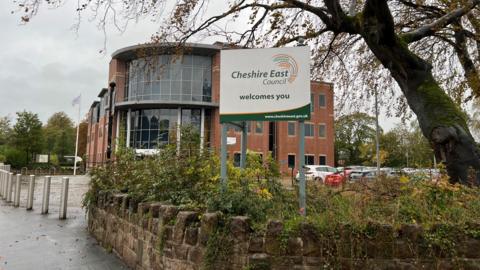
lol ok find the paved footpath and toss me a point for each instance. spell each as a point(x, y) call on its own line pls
point(31, 241)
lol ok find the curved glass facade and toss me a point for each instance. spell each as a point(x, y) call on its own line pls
point(152, 128)
point(170, 78)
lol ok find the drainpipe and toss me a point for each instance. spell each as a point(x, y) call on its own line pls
point(110, 120)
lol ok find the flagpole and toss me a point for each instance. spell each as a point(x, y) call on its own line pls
point(76, 140)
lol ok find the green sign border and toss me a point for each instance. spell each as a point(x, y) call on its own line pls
point(302, 113)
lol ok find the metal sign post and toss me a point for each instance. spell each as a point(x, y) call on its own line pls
point(301, 168)
point(243, 146)
point(223, 157)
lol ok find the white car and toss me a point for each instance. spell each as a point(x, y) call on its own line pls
point(317, 172)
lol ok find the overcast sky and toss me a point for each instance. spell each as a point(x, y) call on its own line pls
point(45, 64)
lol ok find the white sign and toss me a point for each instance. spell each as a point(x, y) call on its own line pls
point(265, 84)
point(231, 140)
point(42, 158)
point(146, 152)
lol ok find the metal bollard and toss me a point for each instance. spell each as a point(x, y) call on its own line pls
point(46, 194)
point(16, 199)
point(64, 198)
point(1, 183)
point(31, 189)
point(4, 184)
point(9, 187)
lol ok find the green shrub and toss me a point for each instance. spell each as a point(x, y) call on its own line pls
point(190, 178)
point(16, 158)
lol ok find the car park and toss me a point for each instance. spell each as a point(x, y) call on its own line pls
point(317, 172)
point(363, 175)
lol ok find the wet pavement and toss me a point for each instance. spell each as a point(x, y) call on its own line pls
point(29, 240)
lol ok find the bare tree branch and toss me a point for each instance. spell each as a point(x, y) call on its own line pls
point(430, 29)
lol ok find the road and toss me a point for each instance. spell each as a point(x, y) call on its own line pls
point(29, 240)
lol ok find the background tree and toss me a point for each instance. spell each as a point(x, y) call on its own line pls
point(5, 137)
point(368, 153)
point(82, 138)
point(5, 130)
point(351, 132)
point(406, 147)
point(375, 29)
point(59, 135)
point(395, 143)
point(27, 134)
point(420, 152)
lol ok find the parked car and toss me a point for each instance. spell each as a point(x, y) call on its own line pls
point(355, 175)
point(366, 175)
point(345, 171)
point(335, 179)
point(317, 172)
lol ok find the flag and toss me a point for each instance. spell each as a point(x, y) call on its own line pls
point(76, 100)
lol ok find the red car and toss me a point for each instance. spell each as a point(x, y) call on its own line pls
point(335, 179)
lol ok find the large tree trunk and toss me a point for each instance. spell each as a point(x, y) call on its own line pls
point(441, 121)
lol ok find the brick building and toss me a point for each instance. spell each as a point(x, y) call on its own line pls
point(156, 88)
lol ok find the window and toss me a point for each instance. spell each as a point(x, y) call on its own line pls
point(156, 127)
point(258, 127)
point(105, 99)
point(234, 127)
point(312, 102)
point(249, 127)
point(101, 108)
point(309, 130)
point(291, 161)
point(236, 159)
point(291, 128)
point(322, 131)
point(164, 77)
point(192, 117)
point(309, 160)
point(322, 102)
point(322, 160)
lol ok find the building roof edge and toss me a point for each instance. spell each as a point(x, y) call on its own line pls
point(129, 52)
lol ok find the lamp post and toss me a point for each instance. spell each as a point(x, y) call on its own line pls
point(377, 134)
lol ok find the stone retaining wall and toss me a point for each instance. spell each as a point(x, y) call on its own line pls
point(158, 236)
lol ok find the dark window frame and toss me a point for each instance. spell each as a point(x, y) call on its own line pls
point(324, 101)
point(311, 128)
point(257, 128)
point(320, 159)
point(294, 128)
point(294, 161)
point(307, 156)
point(324, 130)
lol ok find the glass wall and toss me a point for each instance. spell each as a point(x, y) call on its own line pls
point(192, 117)
point(153, 128)
point(170, 78)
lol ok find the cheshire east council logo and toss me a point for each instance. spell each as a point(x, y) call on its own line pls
point(287, 62)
